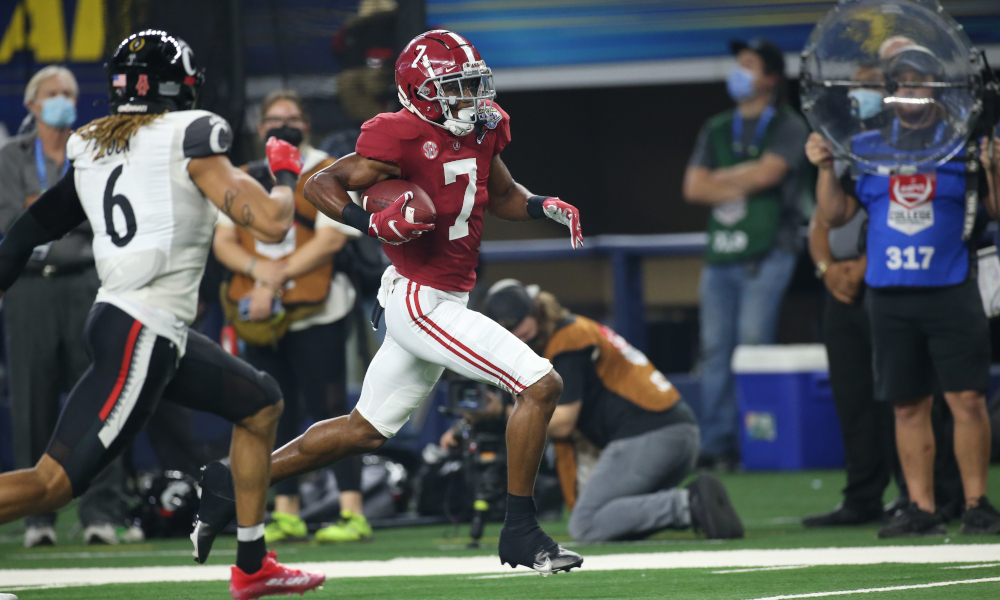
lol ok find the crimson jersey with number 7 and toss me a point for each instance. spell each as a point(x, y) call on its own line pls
point(453, 171)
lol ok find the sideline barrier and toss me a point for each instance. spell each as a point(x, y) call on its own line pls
point(625, 253)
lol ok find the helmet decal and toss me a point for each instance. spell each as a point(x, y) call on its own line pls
point(187, 57)
point(489, 115)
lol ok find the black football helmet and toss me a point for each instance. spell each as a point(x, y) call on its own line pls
point(153, 71)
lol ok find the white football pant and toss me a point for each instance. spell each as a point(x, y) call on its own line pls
point(427, 331)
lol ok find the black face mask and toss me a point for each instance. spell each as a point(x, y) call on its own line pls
point(289, 134)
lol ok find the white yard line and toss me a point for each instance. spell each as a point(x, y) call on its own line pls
point(476, 565)
point(885, 589)
point(755, 569)
point(974, 566)
point(22, 588)
point(115, 554)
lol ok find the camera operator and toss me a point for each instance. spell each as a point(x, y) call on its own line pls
point(479, 437)
point(925, 310)
point(495, 408)
point(617, 400)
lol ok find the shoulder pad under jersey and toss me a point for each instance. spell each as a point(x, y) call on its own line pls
point(205, 134)
point(402, 125)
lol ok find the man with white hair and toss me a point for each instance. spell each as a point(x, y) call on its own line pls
point(45, 312)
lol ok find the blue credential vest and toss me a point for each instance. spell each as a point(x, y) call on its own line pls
point(915, 221)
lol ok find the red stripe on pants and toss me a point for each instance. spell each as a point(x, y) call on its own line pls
point(489, 368)
point(123, 373)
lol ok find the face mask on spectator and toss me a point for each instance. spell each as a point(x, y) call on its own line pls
point(58, 112)
point(739, 84)
point(865, 103)
point(289, 134)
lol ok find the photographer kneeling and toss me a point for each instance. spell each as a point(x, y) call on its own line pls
point(615, 399)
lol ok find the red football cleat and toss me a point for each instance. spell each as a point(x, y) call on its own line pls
point(273, 578)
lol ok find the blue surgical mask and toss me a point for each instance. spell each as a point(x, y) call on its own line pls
point(865, 103)
point(739, 84)
point(58, 112)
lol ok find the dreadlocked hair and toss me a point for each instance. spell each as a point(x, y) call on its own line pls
point(549, 314)
point(113, 132)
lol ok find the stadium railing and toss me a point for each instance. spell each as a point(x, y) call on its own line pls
point(625, 253)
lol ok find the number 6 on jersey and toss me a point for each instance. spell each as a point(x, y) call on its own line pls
point(111, 200)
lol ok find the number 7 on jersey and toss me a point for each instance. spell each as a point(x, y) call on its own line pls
point(465, 166)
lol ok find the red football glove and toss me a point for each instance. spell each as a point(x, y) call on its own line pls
point(282, 156)
point(391, 227)
point(566, 214)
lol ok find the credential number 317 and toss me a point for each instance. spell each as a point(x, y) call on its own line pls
point(907, 258)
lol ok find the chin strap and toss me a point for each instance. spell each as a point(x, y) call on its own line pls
point(460, 126)
point(452, 126)
point(459, 129)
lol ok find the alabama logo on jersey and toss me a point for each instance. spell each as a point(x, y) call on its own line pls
point(911, 206)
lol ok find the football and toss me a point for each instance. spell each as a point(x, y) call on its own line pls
point(420, 209)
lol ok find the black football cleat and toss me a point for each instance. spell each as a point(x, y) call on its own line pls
point(534, 549)
point(711, 510)
point(913, 522)
point(981, 520)
point(217, 510)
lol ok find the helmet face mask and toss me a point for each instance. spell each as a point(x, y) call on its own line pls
point(473, 87)
point(441, 78)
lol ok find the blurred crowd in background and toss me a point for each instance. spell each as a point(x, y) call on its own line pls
point(298, 309)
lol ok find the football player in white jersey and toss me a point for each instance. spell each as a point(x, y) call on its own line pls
point(151, 178)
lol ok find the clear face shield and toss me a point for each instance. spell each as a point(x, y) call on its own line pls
point(464, 96)
point(894, 85)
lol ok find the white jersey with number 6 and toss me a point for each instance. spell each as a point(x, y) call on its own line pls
point(152, 225)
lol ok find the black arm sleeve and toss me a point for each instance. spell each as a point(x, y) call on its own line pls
point(50, 217)
point(573, 367)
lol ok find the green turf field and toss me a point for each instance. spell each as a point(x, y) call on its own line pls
point(770, 504)
point(673, 584)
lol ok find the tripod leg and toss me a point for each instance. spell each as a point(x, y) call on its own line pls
point(478, 520)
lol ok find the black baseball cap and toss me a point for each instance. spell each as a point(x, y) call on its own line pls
point(916, 58)
point(773, 57)
point(508, 303)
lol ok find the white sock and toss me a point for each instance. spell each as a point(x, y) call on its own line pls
point(249, 534)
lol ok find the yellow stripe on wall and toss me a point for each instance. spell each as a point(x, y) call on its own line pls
point(88, 31)
point(39, 26)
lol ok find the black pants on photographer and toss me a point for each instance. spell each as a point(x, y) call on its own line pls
point(867, 426)
point(311, 368)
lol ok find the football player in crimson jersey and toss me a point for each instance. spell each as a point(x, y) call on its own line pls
point(448, 141)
